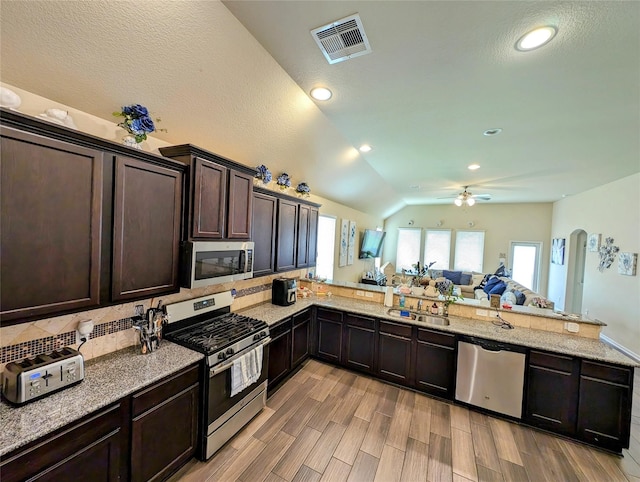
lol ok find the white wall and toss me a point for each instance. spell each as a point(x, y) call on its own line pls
point(502, 223)
point(612, 210)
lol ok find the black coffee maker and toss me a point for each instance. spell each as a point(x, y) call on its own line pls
point(283, 291)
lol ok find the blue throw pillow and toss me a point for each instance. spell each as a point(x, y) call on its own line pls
point(498, 288)
point(465, 279)
point(494, 280)
point(454, 276)
point(520, 297)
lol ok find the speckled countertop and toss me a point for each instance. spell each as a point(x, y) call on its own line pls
point(543, 340)
point(107, 379)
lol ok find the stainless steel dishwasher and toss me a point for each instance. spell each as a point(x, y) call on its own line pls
point(490, 375)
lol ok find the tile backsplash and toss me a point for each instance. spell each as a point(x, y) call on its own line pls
point(112, 325)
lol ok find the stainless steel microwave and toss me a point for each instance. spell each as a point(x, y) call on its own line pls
point(205, 263)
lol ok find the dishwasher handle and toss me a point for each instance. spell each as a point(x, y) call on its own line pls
point(490, 345)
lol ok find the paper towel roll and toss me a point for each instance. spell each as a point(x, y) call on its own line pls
point(388, 296)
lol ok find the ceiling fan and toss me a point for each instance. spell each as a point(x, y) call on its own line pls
point(468, 198)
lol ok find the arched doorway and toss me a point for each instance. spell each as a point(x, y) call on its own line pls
point(575, 271)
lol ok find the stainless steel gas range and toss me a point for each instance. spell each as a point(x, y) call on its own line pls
point(236, 349)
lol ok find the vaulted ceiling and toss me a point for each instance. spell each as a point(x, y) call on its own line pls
point(234, 78)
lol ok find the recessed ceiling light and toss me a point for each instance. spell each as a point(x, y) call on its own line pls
point(321, 93)
point(473, 167)
point(536, 38)
point(365, 148)
point(492, 132)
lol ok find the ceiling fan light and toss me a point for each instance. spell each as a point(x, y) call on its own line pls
point(458, 201)
point(471, 201)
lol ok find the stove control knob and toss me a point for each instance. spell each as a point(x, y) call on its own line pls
point(230, 351)
point(263, 334)
point(256, 337)
point(221, 356)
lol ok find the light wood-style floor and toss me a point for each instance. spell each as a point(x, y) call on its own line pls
point(330, 424)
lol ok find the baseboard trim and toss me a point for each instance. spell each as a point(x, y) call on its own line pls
point(619, 347)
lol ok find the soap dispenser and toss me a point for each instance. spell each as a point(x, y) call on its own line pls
point(434, 309)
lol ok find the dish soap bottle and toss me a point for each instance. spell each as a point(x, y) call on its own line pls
point(401, 301)
point(434, 309)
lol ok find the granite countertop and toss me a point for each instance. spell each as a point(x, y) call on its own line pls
point(107, 379)
point(543, 340)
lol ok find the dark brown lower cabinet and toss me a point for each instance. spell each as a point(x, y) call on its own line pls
point(329, 324)
point(87, 450)
point(394, 352)
point(300, 337)
point(360, 343)
point(552, 392)
point(604, 407)
point(279, 353)
point(435, 363)
point(165, 426)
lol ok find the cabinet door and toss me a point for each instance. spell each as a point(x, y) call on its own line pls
point(165, 426)
point(146, 233)
point(313, 236)
point(51, 196)
point(263, 229)
point(435, 363)
point(286, 240)
point(300, 337)
point(604, 407)
point(329, 325)
point(302, 249)
point(209, 199)
point(88, 450)
point(552, 392)
point(279, 353)
point(394, 352)
point(240, 202)
point(360, 343)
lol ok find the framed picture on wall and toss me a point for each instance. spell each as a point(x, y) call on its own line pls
point(557, 251)
point(593, 242)
point(627, 263)
point(344, 237)
point(352, 242)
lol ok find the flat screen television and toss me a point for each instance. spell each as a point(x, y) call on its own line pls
point(371, 245)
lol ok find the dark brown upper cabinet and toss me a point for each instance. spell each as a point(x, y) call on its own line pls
point(219, 194)
point(85, 222)
point(263, 226)
point(287, 231)
point(146, 231)
point(52, 200)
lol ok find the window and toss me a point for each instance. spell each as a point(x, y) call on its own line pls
point(408, 250)
point(469, 251)
point(437, 247)
point(326, 246)
point(525, 263)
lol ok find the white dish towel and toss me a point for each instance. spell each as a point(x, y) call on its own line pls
point(246, 370)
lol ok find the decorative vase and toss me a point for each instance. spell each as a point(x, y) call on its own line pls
point(130, 141)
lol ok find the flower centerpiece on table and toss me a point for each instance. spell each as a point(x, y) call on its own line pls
point(422, 274)
point(445, 288)
point(263, 174)
point(137, 122)
point(283, 181)
point(303, 189)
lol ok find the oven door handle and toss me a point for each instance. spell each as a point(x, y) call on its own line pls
point(215, 371)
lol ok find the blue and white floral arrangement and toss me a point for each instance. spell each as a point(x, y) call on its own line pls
point(283, 181)
point(263, 174)
point(137, 122)
point(303, 189)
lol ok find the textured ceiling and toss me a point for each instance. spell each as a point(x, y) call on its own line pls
point(439, 75)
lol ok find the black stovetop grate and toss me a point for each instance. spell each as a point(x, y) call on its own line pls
point(215, 334)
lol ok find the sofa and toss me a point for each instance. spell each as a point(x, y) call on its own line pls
point(463, 281)
point(521, 295)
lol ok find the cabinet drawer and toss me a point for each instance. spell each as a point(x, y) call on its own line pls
point(547, 360)
point(164, 390)
point(394, 329)
point(280, 328)
point(606, 372)
point(436, 337)
point(361, 321)
point(302, 317)
point(329, 314)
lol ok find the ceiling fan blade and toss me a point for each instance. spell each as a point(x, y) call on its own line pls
point(484, 197)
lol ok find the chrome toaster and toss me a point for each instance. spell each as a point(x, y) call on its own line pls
point(32, 378)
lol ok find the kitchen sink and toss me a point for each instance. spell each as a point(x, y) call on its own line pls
point(420, 317)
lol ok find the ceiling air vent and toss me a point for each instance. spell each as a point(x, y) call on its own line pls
point(343, 39)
